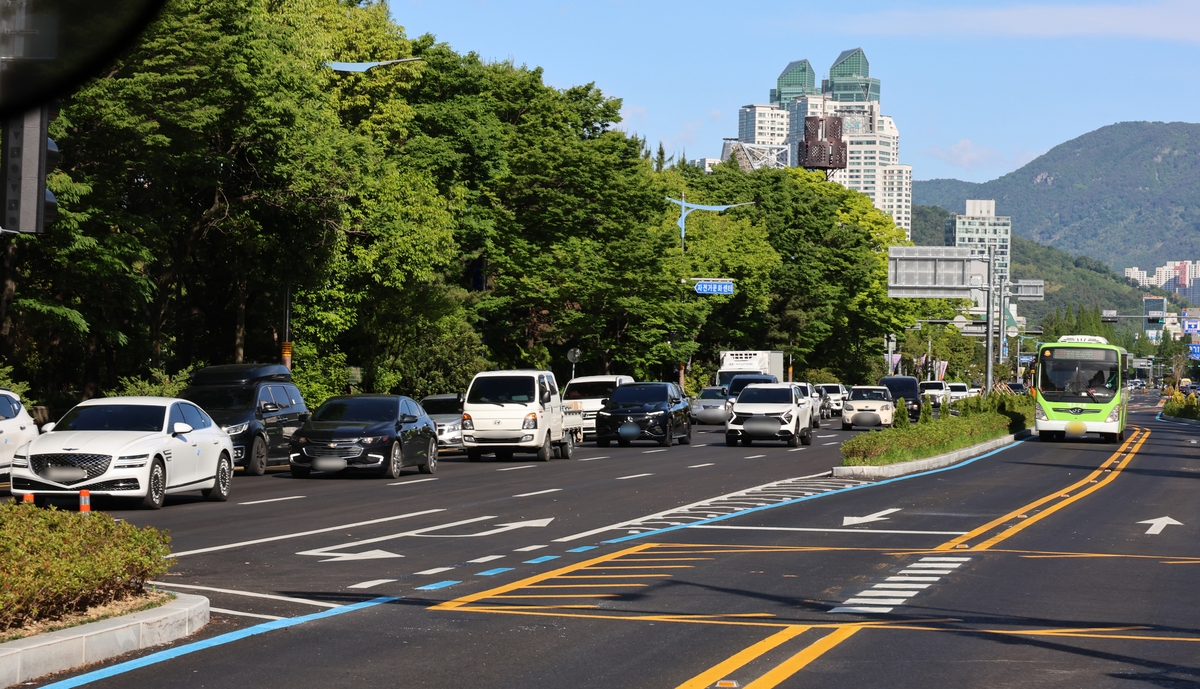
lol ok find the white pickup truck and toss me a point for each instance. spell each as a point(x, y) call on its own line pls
point(506, 412)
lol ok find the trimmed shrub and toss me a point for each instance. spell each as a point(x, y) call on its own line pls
point(53, 562)
point(900, 418)
point(926, 411)
point(1182, 407)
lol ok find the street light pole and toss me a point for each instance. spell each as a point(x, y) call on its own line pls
point(987, 384)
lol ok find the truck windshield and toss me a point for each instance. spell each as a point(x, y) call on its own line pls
point(114, 417)
point(502, 389)
point(590, 390)
point(1079, 374)
point(754, 395)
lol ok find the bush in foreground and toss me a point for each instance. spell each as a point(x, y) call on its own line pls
point(980, 419)
point(53, 562)
point(1182, 407)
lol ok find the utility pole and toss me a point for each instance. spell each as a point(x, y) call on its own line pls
point(987, 384)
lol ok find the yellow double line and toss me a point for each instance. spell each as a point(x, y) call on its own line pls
point(781, 671)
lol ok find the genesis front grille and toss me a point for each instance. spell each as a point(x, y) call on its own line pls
point(95, 465)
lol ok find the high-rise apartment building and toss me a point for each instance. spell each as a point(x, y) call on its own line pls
point(850, 79)
point(763, 124)
point(1137, 275)
point(980, 228)
point(797, 79)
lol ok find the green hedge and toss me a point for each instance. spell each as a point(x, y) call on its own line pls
point(980, 419)
point(53, 562)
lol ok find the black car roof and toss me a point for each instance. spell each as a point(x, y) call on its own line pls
point(240, 374)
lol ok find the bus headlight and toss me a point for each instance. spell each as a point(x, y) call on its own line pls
point(1039, 413)
point(1114, 415)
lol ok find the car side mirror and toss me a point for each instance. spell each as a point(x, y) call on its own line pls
point(604, 402)
point(546, 397)
point(304, 416)
point(407, 418)
point(180, 428)
point(48, 427)
point(269, 407)
point(816, 396)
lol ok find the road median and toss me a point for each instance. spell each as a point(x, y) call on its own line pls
point(929, 463)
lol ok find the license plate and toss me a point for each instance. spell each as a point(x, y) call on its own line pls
point(63, 474)
point(329, 464)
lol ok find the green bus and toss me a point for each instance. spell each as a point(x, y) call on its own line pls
point(1079, 388)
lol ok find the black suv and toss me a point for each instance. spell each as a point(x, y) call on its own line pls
point(645, 411)
point(256, 404)
point(908, 388)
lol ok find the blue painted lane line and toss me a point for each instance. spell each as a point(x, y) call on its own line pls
point(438, 585)
point(494, 572)
point(220, 640)
point(544, 558)
point(582, 549)
point(806, 498)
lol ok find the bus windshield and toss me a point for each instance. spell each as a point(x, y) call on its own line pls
point(1079, 374)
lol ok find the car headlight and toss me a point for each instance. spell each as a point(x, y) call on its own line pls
point(786, 417)
point(131, 461)
point(530, 422)
point(847, 406)
point(655, 413)
point(20, 461)
point(452, 427)
point(1114, 415)
point(236, 428)
point(885, 407)
point(373, 440)
point(467, 424)
point(1040, 414)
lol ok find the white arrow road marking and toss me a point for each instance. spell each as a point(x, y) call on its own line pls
point(877, 517)
point(1157, 525)
point(327, 551)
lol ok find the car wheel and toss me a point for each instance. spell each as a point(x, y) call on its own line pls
point(667, 437)
point(256, 463)
point(474, 455)
point(156, 486)
point(301, 472)
point(431, 459)
point(393, 462)
point(1121, 436)
point(846, 426)
point(621, 442)
point(806, 438)
point(41, 501)
point(794, 439)
point(568, 445)
point(747, 442)
point(687, 437)
point(220, 490)
point(603, 443)
point(543, 453)
point(731, 441)
point(816, 422)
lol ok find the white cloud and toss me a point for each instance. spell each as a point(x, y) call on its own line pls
point(970, 156)
point(1167, 19)
point(633, 114)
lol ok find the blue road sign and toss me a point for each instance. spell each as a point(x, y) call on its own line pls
point(1026, 358)
point(1194, 352)
point(714, 287)
point(1191, 325)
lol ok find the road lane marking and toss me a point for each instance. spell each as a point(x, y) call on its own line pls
point(527, 466)
point(370, 584)
point(754, 457)
point(833, 443)
point(588, 459)
point(248, 594)
point(582, 549)
point(795, 449)
point(697, 466)
point(259, 502)
point(435, 570)
point(417, 480)
point(926, 571)
point(239, 613)
point(834, 435)
point(802, 659)
point(822, 530)
point(540, 560)
point(699, 444)
point(493, 572)
point(860, 610)
point(741, 658)
point(300, 534)
point(537, 492)
point(650, 452)
point(485, 558)
point(874, 601)
point(1129, 448)
point(934, 565)
point(622, 478)
point(945, 559)
point(914, 578)
point(220, 640)
point(528, 548)
point(885, 593)
point(901, 586)
point(438, 585)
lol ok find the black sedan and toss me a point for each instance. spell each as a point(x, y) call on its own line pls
point(645, 411)
point(381, 433)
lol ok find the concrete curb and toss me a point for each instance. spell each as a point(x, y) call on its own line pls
point(1180, 419)
point(26, 659)
point(918, 465)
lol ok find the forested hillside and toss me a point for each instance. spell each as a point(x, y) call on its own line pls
point(1127, 194)
point(430, 219)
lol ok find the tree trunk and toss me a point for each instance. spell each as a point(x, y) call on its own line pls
point(9, 291)
point(239, 337)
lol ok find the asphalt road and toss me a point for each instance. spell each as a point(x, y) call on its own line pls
point(700, 566)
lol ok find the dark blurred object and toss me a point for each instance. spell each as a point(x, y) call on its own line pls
point(28, 156)
point(48, 47)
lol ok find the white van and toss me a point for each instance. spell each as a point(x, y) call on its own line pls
point(517, 411)
point(587, 393)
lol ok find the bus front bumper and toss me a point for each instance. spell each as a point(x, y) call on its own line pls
point(1077, 427)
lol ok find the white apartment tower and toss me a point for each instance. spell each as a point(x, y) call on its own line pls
point(763, 124)
point(980, 228)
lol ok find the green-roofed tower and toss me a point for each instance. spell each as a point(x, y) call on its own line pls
point(797, 79)
point(850, 79)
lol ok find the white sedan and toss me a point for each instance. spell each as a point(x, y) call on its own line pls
point(16, 427)
point(132, 447)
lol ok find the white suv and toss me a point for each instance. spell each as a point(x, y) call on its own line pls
point(935, 391)
point(771, 411)
point(137, 447)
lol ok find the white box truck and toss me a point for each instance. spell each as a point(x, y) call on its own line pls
point(738, 362)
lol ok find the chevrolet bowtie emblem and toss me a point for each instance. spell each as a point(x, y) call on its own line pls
point(332, 444)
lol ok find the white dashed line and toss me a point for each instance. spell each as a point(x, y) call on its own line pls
point(914, 578)
point(885, 594)
point(370, 584)
point(795, 449)
point(827, 436)
point(833, 443)
point(259, 502)
point(909, 585)
point(529, 548)
point(875, 601)
point(945, 559)
point(699, 444)
point(754, 457)
point(860, 609)
point(588, 459)
point(435, 570)
point(926, 571)
point(650, 452)
point(697, 466)
point(622, 478)
point(537, 492)
point(485, 558)
point(934, 565)
point(419, 480)
point(527, 466)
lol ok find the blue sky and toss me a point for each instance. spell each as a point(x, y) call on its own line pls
point(976, 88)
